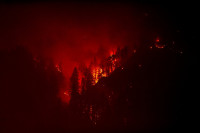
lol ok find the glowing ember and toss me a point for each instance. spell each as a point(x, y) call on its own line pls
point(104, 75)
point(157, 40)
point(90, 113)
point(158, 44)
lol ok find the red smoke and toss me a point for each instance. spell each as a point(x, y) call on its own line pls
point(69, 33)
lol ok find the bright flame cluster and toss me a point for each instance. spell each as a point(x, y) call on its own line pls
point(98, 72)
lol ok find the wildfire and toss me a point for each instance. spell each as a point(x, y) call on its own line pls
point(95, 73)
point(99, 72)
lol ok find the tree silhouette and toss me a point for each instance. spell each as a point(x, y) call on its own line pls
point(89, 78)
point(28, 88)
point(83, 86)
point(74, 83)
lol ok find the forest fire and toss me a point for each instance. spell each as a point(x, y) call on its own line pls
point(105, 68)
point(95, 74)
point(90, 67)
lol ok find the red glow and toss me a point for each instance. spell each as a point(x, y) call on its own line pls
point(112, 53)
point(158, 44)
point(157, 40)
